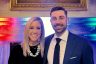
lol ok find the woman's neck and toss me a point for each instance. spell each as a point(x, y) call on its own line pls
point(33, 43)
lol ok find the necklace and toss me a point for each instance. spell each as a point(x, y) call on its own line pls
point(37, 52)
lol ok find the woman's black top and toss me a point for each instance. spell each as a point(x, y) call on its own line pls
point(17, 57)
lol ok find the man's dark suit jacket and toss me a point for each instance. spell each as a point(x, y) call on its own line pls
point(77, 50)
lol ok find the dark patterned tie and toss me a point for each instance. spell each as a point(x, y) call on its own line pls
point(56, 51)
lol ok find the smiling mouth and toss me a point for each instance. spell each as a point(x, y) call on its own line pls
point(34, 35)
point(58, 27)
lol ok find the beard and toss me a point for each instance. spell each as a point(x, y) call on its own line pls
point(59, 28)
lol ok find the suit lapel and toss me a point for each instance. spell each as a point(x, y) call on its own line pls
point(69, 48)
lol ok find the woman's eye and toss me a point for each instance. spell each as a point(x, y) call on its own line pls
point(34, 28)
point(38, 27)
point(31, 28)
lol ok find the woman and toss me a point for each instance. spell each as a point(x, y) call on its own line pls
point(33, 41)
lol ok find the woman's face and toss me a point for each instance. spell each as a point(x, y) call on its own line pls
point(34, 31)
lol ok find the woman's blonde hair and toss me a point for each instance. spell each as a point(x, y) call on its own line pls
point(25, 45)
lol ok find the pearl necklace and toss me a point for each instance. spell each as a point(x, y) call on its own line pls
point(37, 52)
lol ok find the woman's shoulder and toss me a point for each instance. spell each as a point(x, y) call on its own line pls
point(15, 47)
point(16, 54)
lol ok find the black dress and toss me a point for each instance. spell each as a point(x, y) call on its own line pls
point(17, 57)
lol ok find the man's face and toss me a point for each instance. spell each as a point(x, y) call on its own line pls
point(59, 21)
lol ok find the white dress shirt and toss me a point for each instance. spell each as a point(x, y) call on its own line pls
point(63, 43)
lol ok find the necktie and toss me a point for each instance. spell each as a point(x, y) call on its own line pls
point(56, 51)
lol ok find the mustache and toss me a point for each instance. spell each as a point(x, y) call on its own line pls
point(58, 25)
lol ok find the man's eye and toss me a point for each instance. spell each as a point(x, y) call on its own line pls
point(61, 18)
point(53, 18)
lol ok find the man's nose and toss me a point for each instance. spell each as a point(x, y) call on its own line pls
point(57, 21)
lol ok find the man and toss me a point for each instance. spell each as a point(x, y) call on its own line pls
point(72, 49)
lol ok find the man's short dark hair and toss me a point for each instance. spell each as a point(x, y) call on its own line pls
point(58, 8)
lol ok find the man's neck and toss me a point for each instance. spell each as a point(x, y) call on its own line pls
point(59, 34)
